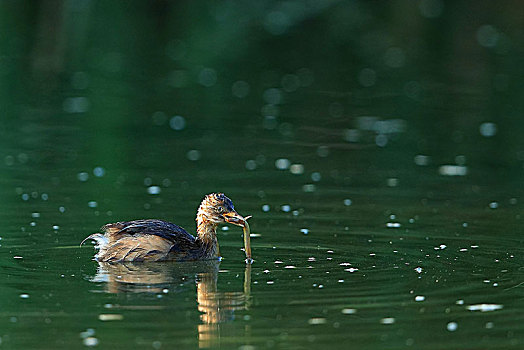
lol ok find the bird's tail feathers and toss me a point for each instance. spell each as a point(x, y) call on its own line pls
point(100, 239)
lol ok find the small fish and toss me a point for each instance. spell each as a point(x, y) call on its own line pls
point(247, 240)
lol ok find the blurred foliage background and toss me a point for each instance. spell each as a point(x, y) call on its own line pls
point(176, 91)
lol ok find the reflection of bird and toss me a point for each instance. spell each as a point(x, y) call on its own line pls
point(217, 306)
point(143, 277)
point(154, 240)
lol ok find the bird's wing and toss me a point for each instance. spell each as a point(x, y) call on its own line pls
point(163, 229)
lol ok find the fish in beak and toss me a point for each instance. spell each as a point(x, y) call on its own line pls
point(234, 218)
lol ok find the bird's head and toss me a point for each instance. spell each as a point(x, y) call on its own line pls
point(217, 208)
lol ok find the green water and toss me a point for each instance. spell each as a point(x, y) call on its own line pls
point(377, 145)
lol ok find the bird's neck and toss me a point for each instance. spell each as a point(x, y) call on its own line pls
point(207, 237)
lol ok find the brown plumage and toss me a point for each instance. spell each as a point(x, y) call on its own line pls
point(157, 240)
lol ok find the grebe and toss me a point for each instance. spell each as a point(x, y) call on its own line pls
point(157, 240)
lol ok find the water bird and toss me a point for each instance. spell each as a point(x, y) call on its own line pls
point(157, 240)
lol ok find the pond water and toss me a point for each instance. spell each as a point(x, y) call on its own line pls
point(378, 147)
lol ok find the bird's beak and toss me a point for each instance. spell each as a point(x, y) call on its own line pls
point(234, 218)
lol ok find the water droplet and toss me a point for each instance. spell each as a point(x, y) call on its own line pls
point(92, 204)
point(484, 307)
point(304, 231)
point(351, 269)
point(87, 333)
point(273, 96)
point(381, 140)
point(99, 171)
point(421, 160)
point(395, 57)
point(83, 176)
point(296, 169)
point(317, 320)
point(286, 208)
point(316, 176)
point(277, 22)
point(349, 311)
point(352, 135)
point(420, 298)
point(23, 158)
point(487, 36)
point(207, 77)
point(387, 320)
point(251, 164)
point(348, 202)
point(265, 208)
point(453, 170)
point(452, 326)
point(270, 122)
point(90, 341)
point(154, 190)
point(76, 104)
point(392, 182)
point(290, 82)
point(240, 89)
point(488, 129)
point(110, 317)
point(282, 163)
point(309, 188)
point(193, 155)
point(177, 123)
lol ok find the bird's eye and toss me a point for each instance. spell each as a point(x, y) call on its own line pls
point(220, 209)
